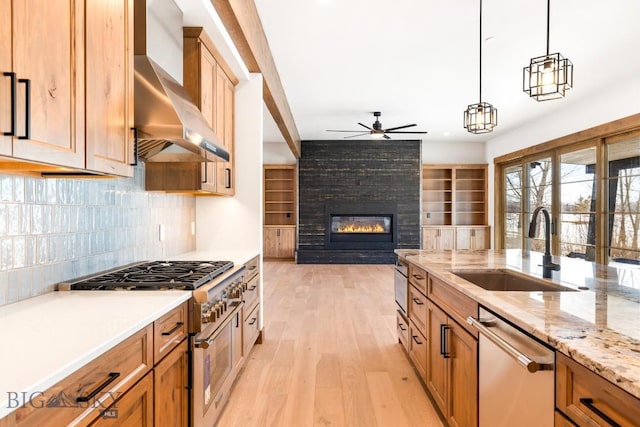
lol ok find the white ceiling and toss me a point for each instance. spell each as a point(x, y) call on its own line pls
point(416, 61)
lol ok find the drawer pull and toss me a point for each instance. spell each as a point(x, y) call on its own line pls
point(87, 398)
point(173, 330)
point(418, 277)
point(401, 326)
point(253, 288)
point(417, 301)
point(415, 338)
point(253, 320)
point(588, 402)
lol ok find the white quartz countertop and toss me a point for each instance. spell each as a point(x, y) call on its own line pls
point(598, 324)
point(46, 338)
point(239, 257)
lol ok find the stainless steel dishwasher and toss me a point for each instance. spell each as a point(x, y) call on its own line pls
point(516, 375)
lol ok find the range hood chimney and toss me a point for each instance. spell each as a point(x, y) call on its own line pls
point(170, 126)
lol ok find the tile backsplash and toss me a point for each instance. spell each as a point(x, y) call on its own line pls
point(58, 229)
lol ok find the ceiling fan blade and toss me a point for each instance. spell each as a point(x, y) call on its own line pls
point(333, 130)
point(400, 127)
point(407, 132)
point(385, 136)
point(364, 126)
point(353, 136)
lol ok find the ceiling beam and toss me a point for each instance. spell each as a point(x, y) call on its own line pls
point(240, 18)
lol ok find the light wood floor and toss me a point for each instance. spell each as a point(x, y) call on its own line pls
point(330, 355)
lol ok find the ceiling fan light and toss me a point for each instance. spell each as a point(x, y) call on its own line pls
point(480, 118)
point(548, 77)
point(377, 135)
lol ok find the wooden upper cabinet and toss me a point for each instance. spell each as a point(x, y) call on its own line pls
point(73, 67)
point(211, 85)
point(6, 141)
point(48, 59)
point(109, 88)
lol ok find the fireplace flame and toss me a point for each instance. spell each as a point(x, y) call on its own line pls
point(359, 228)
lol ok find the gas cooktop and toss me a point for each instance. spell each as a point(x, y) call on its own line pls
point(155, 275)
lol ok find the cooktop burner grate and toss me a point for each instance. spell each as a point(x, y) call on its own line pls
point(156, 275)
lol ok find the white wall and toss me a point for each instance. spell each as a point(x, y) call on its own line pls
point(613, 102)
point(235, 223)
point(452, 152)
point(278, 153)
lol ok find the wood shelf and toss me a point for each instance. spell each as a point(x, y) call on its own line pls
point(454, 195)
point(280, 195)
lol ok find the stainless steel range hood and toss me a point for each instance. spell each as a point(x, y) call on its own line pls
point(170, 127)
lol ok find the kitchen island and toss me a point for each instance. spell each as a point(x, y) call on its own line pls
point(597, 325)
point(587, 313)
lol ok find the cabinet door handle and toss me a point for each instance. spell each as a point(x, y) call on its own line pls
point(252, 288)
point(111, 378)
point(135, 147)
point(415, 338)
point(227, 178)
point(14, 117)
point(173, 330)
point(445, 350)
point(588, 402)
point(27, 108)
point(402, 327)
point(417, 301)
point(253, 320)
point(204, 165)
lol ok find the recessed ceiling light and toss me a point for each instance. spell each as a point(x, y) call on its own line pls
point(447, 133)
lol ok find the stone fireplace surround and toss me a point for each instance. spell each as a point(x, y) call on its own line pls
point(358, 177)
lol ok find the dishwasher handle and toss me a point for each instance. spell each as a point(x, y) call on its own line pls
point(524, 360)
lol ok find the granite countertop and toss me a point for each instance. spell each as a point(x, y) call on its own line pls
point(598, 324)
point(47, 338)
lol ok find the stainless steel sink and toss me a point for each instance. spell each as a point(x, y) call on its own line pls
point(508, 280)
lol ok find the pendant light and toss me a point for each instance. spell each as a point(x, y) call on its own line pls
point(550, 76)
point(481, 117)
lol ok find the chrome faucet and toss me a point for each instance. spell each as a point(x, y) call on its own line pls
point(547, 265)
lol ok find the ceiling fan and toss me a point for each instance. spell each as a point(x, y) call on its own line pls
point(376, 130)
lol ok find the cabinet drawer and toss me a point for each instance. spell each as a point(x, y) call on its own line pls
point(418, 278)
point(251, 329)
point(588, 399)
point(135, 408)
point(418, 350)
point(98, 384)
point(418, 309)
point(252, 268)
point(559, 420)
point(169, 331)
point(402, 326)
point(251, 295)
point(453, 302)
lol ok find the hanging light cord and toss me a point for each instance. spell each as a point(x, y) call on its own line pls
point(480, 38)
point(548, 20)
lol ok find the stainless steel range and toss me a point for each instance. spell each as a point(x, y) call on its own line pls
point(216, 320)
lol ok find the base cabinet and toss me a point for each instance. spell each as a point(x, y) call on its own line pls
point(134, 408)
point(438, 238)
point(279, 242)
point(452, 368)
point(589, 400)
point(445, 238)
point(170, 388)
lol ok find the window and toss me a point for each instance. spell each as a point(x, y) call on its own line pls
point(623, 214)
point(589, 182)
point(577, 227)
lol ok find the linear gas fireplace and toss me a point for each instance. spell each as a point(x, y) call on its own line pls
point(361, 226)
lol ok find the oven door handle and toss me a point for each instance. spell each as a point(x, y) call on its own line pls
point(524, 360)
point(206, 342)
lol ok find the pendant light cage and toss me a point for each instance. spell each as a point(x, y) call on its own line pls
point(548, 77)
point(480, 118)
